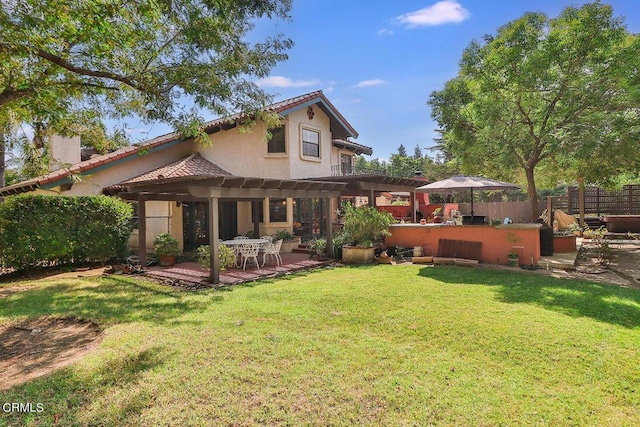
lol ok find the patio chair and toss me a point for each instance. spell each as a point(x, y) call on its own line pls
point(273, 249)
point(267, 238)
point(241, 238)
point(249, 251)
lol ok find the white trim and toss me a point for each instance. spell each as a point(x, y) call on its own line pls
point(303, 127)
point(284, 155)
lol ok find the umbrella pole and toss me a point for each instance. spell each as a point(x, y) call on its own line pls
point(472, 205)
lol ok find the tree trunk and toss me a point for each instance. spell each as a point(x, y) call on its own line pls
point(2, 159)
point(581, 200)
point(532, 192)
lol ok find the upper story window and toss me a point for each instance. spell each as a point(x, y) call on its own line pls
point(310, 143)
point(277, 143)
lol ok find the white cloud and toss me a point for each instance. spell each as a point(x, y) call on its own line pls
point(367, 83)
point(385, 32)
point(443, 12)
point(281, 81)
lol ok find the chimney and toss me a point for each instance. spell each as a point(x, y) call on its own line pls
point(64, 152)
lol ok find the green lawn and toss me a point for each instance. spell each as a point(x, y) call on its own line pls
point(377, 345)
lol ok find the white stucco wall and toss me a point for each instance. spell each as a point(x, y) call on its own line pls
point(245, 154)
point(133, 166)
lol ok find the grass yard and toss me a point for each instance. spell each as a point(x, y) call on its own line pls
point(377, 345)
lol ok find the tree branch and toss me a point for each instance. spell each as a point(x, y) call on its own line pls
point(87, 72)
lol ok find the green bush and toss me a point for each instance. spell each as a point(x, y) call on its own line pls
point(226, 256)
point(366, 225)
point(52, 230)
point(166, 245)
point(284, 235)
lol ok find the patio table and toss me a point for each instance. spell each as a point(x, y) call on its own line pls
point(235, 243)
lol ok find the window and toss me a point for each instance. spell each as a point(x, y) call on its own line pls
point(278, 210)
point(276, 143)
point(310, 143)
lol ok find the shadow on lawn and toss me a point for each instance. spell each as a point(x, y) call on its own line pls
point(106, 395)
point(106, 300)
point(606, 303)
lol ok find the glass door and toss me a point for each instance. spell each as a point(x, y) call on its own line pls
point(195, 225)
point(309, 214)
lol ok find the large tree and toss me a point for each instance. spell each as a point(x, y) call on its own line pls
point(160, 60)
point(546, 93)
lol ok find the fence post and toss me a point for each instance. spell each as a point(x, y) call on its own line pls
point(549, 211)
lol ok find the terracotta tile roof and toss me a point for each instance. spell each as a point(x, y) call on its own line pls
point(88, 165)
point(174, 137)
point(357, 148)
point(191, 166)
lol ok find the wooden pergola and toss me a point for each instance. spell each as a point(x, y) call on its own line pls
point(369, 185)
point(215, 189)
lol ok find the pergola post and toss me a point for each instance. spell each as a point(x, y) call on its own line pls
point(214, 232)
point(142, 230)
point(329, 226)
point(255, 206)
point(414, 206)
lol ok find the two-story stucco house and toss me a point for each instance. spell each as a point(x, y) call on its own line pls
point(240, 183)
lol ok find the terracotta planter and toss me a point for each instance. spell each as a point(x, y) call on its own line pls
point(357, 255)
point(167, 260)
point(564, 244)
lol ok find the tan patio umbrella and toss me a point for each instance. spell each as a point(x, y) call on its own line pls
point(461, 183)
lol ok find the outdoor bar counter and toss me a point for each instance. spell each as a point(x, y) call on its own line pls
point(492, 243)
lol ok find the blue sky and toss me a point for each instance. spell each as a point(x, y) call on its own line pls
point(378, 61)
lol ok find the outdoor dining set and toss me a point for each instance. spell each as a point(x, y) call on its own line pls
point(248, 250)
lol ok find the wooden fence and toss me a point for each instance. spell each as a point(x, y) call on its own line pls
point(598, 201)
point(518, 212)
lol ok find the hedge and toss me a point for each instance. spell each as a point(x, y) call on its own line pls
point(52, 230)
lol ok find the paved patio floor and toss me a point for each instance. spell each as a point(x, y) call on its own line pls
point(190, 275)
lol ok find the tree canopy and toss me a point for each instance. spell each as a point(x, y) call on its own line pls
point(162, 60)
point(557, 96)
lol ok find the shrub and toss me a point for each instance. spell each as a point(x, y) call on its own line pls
point(339, 240)
point(284, 235)
point(365, 225)
point(52, 230)
point(226, 256)
point(166, 245)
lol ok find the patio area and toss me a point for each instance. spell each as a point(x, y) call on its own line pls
point(189, 275)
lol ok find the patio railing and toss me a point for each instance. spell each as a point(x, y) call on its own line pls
point(349, 170)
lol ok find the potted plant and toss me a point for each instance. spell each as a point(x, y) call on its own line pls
point(512, 256)
point(289, 241)
point(363, 226)
point(166, 248)
point(437, 215)
point(319, 245)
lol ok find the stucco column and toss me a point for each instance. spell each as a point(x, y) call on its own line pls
point(142, 230)
point(214, 232)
